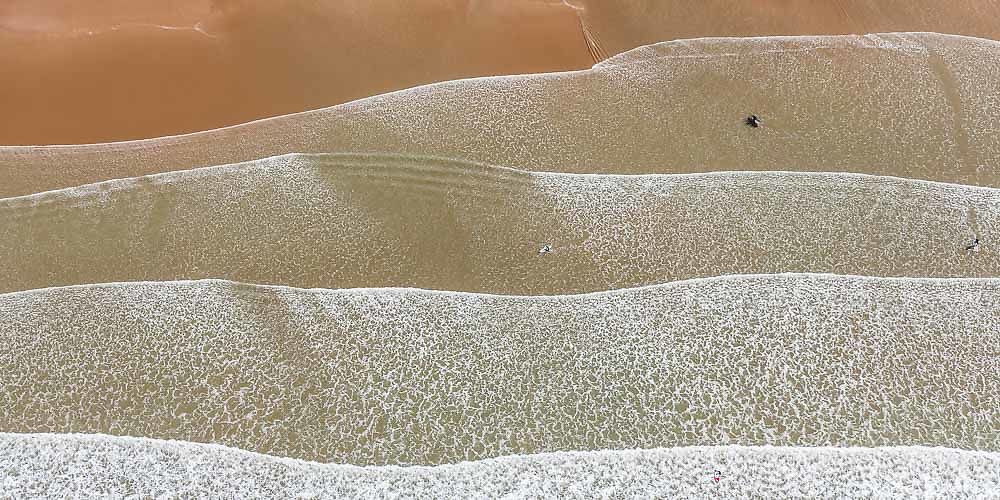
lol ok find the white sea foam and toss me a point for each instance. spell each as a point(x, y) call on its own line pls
point(407, 376)
point(920, 106)
point(61, 466)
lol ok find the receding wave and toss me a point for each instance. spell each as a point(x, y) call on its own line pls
point(921, 106)
point(61, 466)
point(625, 24)
point(349, 221)
point(391, 376)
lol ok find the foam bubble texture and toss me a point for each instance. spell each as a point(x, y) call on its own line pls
point(61, 466)
point(406, 376)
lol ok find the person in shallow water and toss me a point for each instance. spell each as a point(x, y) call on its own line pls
point(753, 121)
point(974, 246)
point(545, 249)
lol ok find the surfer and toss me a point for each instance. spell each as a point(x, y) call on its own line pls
point(974, 247)
point(545, 249)
point(753, 121)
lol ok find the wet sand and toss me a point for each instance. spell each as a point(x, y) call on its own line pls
point(507, 186)
point(619, 25)
point(90, 465)
point(920, 106)
point(118, 71)
point(128, 70)
point(404, 376)
point(56, 18)
point(359, 221)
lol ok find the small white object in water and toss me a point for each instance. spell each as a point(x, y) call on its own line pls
point(545, 249)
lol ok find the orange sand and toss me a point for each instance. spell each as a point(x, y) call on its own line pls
point(620, 25)
point(84, 72)
point(126, 70)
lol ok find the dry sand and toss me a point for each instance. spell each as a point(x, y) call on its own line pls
point(120, 71)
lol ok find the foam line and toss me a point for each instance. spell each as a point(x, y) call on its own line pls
point(822, 110)
point(58, 466)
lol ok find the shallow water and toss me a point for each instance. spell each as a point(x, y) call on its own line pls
point(620, 25)
point(921, 106)
point(345, 221)
point(404, 376)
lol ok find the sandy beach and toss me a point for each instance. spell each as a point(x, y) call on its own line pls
point(619, 25)
point(129, 70)
point(112, 73)
point(499, 248)
point(918, 106)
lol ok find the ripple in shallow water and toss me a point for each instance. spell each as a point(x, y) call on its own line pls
point(356, 221)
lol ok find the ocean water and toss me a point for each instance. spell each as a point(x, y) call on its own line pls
point(917, 105)
point(103, 465)
point(346, 221)
point(620, 25)
point(396, 376)
point(806, 286)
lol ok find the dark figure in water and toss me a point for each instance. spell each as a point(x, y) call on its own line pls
point(974, 247)
point(753, 121)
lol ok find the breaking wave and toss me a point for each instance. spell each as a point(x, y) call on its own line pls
point(59, 466)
